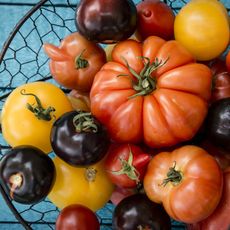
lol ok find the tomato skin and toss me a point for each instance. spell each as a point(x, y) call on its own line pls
point(148, 118)
point(227, 61)
point(114, 163)
point(63, 61)
point(20, 126)
point(155, 18)
point(219, 219)
point(77, 216)
point(72, 183)
point(202, 26)
point(196, 193)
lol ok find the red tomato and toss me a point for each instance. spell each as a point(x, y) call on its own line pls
point(126, 164)
point(227, 60)
point(120, 193)
point(219, 219)
point(187, 181)
point(155, 18)
point(77, 216)
point(160, 99)
point(75, 62)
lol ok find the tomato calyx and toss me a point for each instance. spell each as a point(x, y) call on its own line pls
point(90, 174)
point(16, 181)
point(38, 110)
point(145, 83)
point(173, 176)
point(127, 168)
point(84, 122)
point(80, 62)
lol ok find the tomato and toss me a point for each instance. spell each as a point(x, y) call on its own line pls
point(155, 18)
point(227, 61)
point(27, 174)
point(219, 219)
point(152, 92)
point(77, 216)
point(221, 155)
point(138, 212)
point(202, 26)
point(126, 164)
point(187, 181)
point(88, 186)
point(79, 139)
point(29, 112)
point(79, 100)
point(75, 62)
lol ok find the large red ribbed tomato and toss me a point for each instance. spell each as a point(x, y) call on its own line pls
point(152, 91)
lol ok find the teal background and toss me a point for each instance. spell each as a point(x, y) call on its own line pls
point(11, 11)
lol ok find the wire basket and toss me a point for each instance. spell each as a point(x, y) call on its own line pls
point(23, 60)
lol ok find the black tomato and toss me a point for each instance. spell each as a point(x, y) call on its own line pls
point(218, 123)
point(79, 139)
point(138, 212)
point(27, 174)
point(106, 21)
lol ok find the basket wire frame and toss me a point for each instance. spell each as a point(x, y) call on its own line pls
point(23, 60)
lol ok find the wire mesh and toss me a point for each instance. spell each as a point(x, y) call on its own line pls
point(23, 60)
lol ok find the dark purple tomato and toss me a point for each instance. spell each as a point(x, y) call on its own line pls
point(76, 217)
point(27, 174)
point(106, 21)
point(79, 139)
point(138, 212)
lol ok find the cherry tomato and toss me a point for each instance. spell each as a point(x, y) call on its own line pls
point(155, 18)
point(187, 181)
point(227, 60)
point(75, 217)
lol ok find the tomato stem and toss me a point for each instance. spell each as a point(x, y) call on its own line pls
point(38, 110)
point(84, 122)
point(173, 176)
point(81, 63)
point(145, 83)
point(90, 174)
point(128, 169)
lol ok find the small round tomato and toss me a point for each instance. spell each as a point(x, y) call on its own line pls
point(155, 18)
point(75, 62)
point(126, 164)
point(29, 112)
point(88, 186)
point(202, 26)
point(77, 216)
point(188, 181)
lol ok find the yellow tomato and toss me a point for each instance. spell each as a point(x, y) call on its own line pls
point(202, 26)
point(87, 186)
point(21, 126)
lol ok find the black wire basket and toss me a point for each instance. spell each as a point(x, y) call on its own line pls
point(23, 60)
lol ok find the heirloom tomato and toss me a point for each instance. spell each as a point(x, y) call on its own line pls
point(75, 62)
point(202, 26)
point(29, 112)
point(88, 186)
point(152, 92)
point(219, 219)
point(187, 181)
point(77, 217)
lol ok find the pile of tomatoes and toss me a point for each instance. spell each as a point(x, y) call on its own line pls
point(146, 123)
